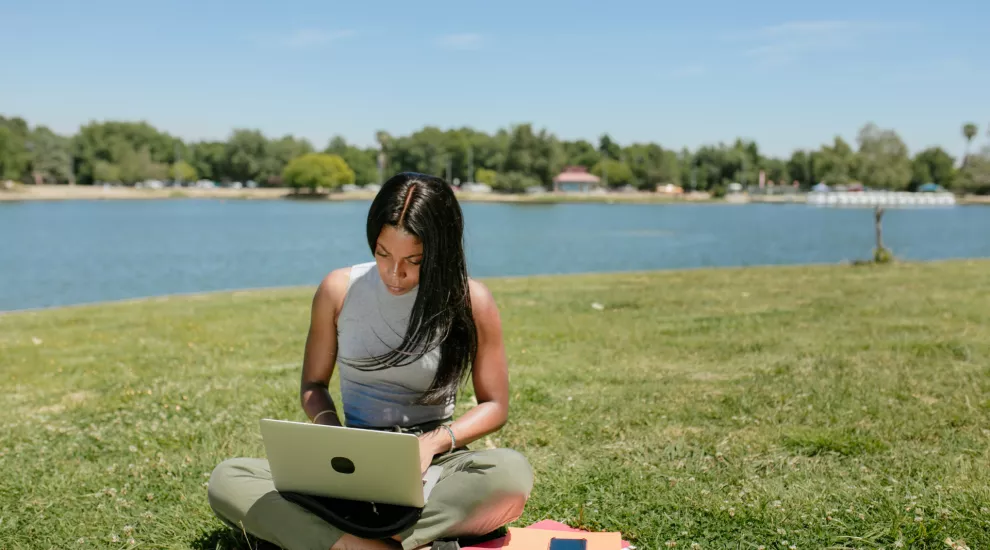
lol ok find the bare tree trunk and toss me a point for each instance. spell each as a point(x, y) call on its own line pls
point(878, 213)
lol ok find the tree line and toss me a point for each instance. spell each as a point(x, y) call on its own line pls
point(510, 160)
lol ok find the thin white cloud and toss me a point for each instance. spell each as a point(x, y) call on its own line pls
point(461, 41)
point(822, 28)
point(775, 55)
point(304, 39)
point(785, 43)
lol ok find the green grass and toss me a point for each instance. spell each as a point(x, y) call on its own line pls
point(829, 407)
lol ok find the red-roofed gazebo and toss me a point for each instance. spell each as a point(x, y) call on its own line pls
point(575, 178)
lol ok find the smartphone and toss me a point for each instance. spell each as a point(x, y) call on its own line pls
point(568, 544)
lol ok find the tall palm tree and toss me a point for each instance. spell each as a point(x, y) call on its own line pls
point(969, 131)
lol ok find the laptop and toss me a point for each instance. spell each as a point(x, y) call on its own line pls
point(346, 463)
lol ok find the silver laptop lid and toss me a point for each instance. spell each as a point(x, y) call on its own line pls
point(346, 463)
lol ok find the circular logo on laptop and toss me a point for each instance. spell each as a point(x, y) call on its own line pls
point(342, 465)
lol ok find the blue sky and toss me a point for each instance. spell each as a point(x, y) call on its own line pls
point(787, 74)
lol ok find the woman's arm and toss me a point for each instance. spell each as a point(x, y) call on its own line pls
point(490, 374)
point(321, 348)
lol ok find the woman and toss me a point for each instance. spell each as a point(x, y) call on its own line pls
point(405, 331)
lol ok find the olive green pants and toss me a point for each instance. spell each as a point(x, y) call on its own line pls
point(478, 492)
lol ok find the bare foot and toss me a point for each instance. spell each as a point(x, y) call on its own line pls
point(350, 542)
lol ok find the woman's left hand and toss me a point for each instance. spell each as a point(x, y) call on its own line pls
point(431, 444)
point(425, 455)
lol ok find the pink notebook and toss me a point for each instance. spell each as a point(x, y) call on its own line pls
point(547, 525)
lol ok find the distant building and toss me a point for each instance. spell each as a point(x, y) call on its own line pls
point(472, 187)
point(576, 178)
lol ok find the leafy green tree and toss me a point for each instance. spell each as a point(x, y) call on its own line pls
point(460, 154)
point(13, 154)
point(486, 176)
point(713, 166)
point(17, 125)
point(581, 153)
point(538, 154)
point(384, 141)
point(362, 161)
point(609, 148)
point(522, 149)
point(461, 151)
point(689, 172)
point(974, 177)
point(280, 153)
point(421, 151)
point(487, 151)
point(969, 131)
point(921, 174)
point(317, 171)
point(618, 174)
point(50, 156)
point(248, 156)
point(799, 168)
point(433, 151)
point(105, 172)
point(651, 165)
point(933, 165)
point(776, 171)
point(136, 166)
point(741, 163)
point(182, 171)
point(515, 182)
point(110, 141)
point(209, 159)
point(669, 170)
point(835, 165)
point(511, 158)
point(550, 158)
point(883, 159)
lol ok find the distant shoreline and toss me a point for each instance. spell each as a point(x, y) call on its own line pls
point(85, 192)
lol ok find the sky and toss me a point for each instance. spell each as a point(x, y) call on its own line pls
point(787, 74)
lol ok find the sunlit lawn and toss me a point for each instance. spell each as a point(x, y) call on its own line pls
point(837, 406)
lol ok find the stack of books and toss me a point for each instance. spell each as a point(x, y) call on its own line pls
point(538, 536)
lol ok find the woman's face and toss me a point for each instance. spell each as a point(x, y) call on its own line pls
point(398, 255)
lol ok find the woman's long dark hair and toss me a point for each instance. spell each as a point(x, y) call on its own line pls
point(425, 206)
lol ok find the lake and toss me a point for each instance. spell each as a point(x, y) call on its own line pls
point(61, 253)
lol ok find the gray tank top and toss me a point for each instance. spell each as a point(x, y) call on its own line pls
point(372, 322)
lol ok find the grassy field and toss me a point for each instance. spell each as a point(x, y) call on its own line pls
point(807, 407)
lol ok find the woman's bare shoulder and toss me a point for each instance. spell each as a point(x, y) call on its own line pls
point(333, 289)
point(482, 301)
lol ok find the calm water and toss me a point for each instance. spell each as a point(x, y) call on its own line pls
point(58, 253)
